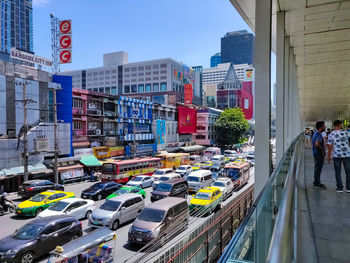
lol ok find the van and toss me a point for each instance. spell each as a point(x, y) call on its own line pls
point(218, 159)
point(160, 221)
point(199, 179)
point(116, 211)
point(195, 159)
point(171, 188)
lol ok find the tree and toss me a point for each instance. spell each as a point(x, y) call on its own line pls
point(231, 127)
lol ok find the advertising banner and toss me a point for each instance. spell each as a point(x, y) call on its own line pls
point(76, 173)
point(101, 152)
point(249, 75)
point(116, 151)
point(161, 131)
point(188, 93)
point(187, 120)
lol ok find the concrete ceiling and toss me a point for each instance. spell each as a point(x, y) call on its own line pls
point(319, 32)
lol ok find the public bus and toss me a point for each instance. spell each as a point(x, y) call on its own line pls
point(238, 172)
point(174, 160)
point(210, 152)
point(122, 171)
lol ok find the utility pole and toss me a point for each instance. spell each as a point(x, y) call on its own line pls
point(134, 139)
point(55, 136)
point(24, 101)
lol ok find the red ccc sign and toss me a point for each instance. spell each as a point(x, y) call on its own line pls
point(65, 27)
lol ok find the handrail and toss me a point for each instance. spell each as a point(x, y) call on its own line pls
point(281, 249)
point(226, 256)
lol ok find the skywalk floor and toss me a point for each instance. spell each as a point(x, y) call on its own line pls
point(330, 214)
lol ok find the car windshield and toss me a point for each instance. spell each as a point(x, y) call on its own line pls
point(159, 173)
point(181, 168)
point(60, 206)
point(164, 178)
point(122, 191)
point(97, 186)
point(192, 179)
point(151, 215)
point(38, 198)
point(110, 205)
point(208, 162)
point(28, 231)
point(204, 196)
point(197, 165)
point(137, 179)
point(219, 184)
point(164, 187)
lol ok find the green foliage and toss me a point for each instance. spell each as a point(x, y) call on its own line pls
point(231, 127)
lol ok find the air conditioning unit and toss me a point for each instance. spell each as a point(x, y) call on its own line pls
point(41, 144)
point(98, 112)
point(98, 132)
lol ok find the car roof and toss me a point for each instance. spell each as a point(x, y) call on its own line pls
point(223, 179)
point(129, 187)
point(166, 203)
point(72, 200)
point(164, 169)
point(36, 181)
point(174, 181)
point(199, 173)
point(51, 192)
point(50, 219)
point(185, 165)
point(209, 189)
point(122, 198)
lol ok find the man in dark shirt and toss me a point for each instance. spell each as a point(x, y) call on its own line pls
point(319, 152)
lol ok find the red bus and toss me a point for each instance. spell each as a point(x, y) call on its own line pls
point(238, 172)
point(123, 171)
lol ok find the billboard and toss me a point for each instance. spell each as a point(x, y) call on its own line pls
point(28, 57)
point(187, 120)
point(188, 93)
point(249, 75)
point(161, 132)
point(65, 28)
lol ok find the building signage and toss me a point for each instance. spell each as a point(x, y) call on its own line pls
point(249, 75)
point(161, 131)
point(146, 148)
point(65, 28)
point(28, 57)
point(116, 151)
point(188, 93)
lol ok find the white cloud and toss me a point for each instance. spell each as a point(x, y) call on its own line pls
point(40, 2)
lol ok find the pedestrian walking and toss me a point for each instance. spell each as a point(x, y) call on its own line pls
point(308, 138)
point(338, 142)
point(318, 151)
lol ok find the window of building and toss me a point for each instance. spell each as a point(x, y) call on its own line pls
point(163, 86)
point(148, 73)
point(141, 88)
point(155, 66)
point(148, 87)
point(113, 90)
point(200, 137)
point(163, 65)
point(163, 72)
point(133, 69)
point(155, 72)
point(155, 78)
point(141, 79)
point(133, 75)
point(141, 73)
point(126, 69)
point(126, 89)
point(147, 79)
point(77, 125)
point(148, 67)
point(133, 88)
point(77, 104)
point(101, 89)
point(155, 86)
point(108, 90)
point(141, 67)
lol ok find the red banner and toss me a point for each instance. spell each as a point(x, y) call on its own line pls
point(188, 93)
point(187, 120)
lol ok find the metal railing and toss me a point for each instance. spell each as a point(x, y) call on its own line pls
point(268, 233)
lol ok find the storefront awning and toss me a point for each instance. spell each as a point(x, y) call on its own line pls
point(20, 170)
point(90, 160)
point(70, 167)
point(192, 148)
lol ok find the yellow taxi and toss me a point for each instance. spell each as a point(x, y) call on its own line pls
point(239, 161)
point(205, 201)
point(207, 164)
point(227, 159)
point(41, 201)
point(196, 166)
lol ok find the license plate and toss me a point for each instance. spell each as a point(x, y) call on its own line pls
point(18, 211)
point(139, 239)
point(84, 196)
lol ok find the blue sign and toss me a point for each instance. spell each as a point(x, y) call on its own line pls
point(161, 132)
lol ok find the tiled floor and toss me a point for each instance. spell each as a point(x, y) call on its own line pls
point(330, 214)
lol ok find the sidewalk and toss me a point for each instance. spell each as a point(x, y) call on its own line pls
point(330, 214)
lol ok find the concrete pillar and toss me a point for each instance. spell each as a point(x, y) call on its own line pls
point(280, 86)
point(290, 97)
point(262, 63)
point(285, 91)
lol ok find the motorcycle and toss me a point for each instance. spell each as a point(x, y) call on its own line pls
point(8, 206)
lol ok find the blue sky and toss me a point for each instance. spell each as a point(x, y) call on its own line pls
point(185, 30)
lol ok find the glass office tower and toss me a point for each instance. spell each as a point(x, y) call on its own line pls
point(16, 25)
point(237, 47)
point(215, 60)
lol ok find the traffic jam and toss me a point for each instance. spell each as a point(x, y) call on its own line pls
point(156, 196)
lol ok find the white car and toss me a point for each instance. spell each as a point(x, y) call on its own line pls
point(159, 173)
point(77, 207)
point(225, 185)
point(141, 181)
point(184, 170)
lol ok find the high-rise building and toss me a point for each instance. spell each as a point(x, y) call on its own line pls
point(215, 60)
point(237, 47)
point(16, 25)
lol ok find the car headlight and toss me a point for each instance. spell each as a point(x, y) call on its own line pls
point(154, 233)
